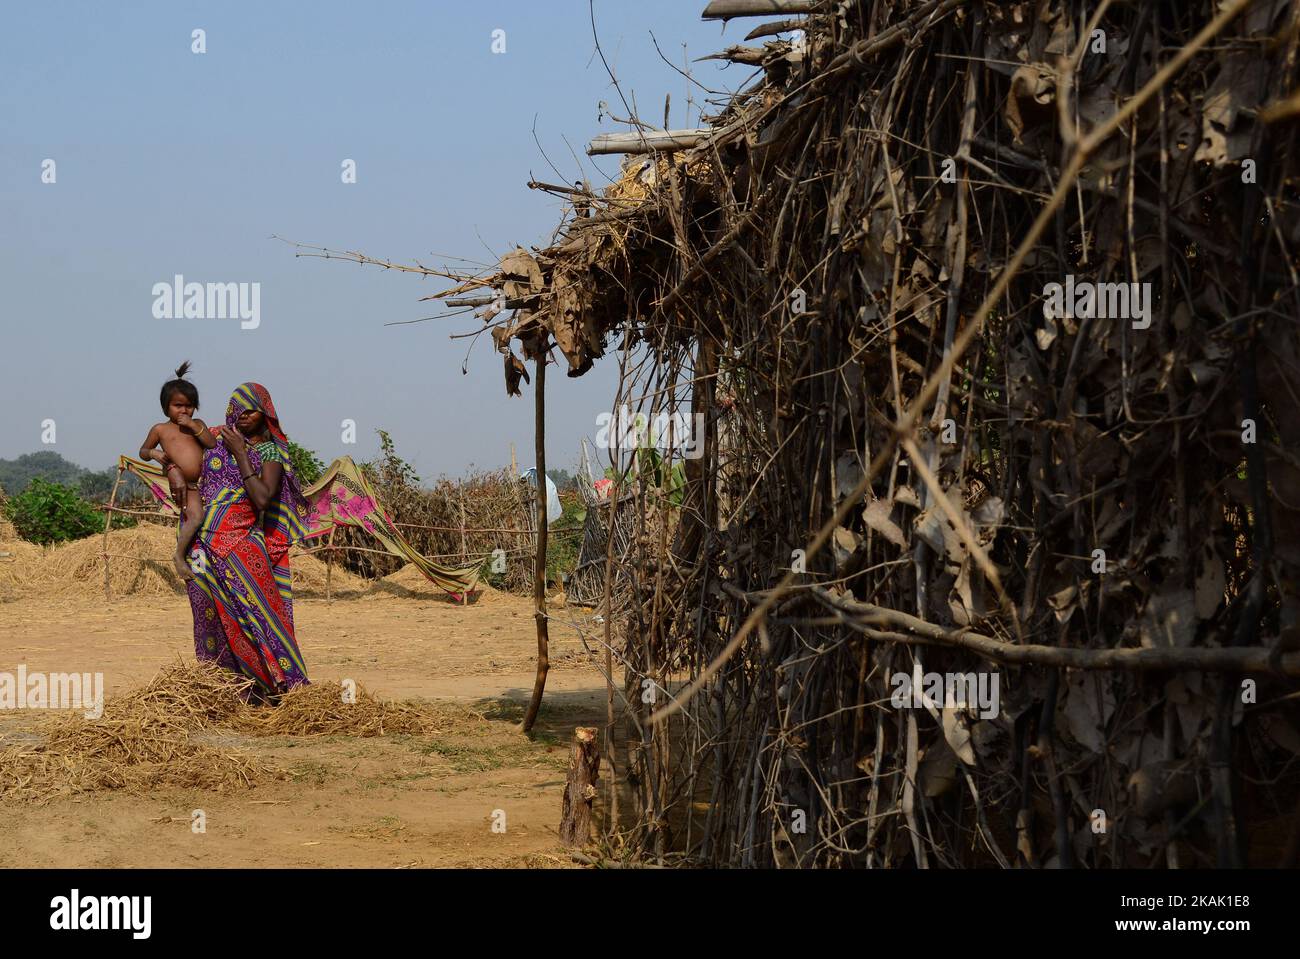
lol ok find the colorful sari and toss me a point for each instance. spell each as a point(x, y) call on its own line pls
point(242, 593)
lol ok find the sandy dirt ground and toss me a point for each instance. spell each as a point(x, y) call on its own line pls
point(378, 802)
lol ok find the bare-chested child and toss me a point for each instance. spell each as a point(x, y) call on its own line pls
point(183, 440)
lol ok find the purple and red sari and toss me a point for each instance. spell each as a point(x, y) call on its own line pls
point(242, 593)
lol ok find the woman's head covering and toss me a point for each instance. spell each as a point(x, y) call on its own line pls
point(288, 518)
point(255, 396)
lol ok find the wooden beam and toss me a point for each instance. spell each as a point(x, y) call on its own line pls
point(553, 188)
point(648, 141)
point(775, 27)
point(726, 9)
point(1256, 659)
point(511, 303)
point(750, 56)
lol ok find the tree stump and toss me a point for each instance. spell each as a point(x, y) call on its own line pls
point(580, 790)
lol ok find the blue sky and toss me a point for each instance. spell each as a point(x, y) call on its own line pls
point(173, 162)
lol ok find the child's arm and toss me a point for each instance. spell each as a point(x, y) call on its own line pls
point(149, 450)
point(200, 431)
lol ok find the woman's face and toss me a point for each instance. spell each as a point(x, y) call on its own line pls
point(251, 422)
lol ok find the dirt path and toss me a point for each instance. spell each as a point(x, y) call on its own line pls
point(389, 801)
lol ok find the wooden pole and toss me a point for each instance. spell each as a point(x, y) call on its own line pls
point(580, 790)
point(329, 566)
point(726, 9)
point(464, 548)
point(611, 749)
point(539, 563)
point(108, 524)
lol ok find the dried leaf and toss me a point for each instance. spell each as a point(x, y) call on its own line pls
point(957, 732)
point(1064, 602)
point(876, 516)
point(1089, 704)
point(1164, 784)
point(848, 473)
point(1211, 579)
point(1169, 619)
point(846, 543)
point(1280, 731)
point(907, 495)
point(937, 772)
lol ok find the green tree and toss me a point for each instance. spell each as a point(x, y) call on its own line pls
point(96, 486)
point(15, 474)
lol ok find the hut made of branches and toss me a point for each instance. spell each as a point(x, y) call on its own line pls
point(988, 311)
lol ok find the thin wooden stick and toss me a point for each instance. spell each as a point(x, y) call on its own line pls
point(329, 567)
point(539, 570)
point(108, 524)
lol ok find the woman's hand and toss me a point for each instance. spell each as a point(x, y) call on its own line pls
point(263, 485)
point(234, 441)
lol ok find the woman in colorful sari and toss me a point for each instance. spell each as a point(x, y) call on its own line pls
point(242, 593)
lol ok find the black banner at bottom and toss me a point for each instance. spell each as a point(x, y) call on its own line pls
point(342, 907)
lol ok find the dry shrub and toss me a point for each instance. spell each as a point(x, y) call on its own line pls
point(491, 500)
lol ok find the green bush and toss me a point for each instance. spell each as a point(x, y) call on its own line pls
point(48, 512)
point(306, 464)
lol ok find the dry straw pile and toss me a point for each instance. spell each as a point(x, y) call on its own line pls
point(140, 566)
point(159, 735)
point(922, 455)
point(143, 741)
point(76, 569)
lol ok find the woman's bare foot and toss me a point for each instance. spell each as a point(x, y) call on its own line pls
point(182, 567)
